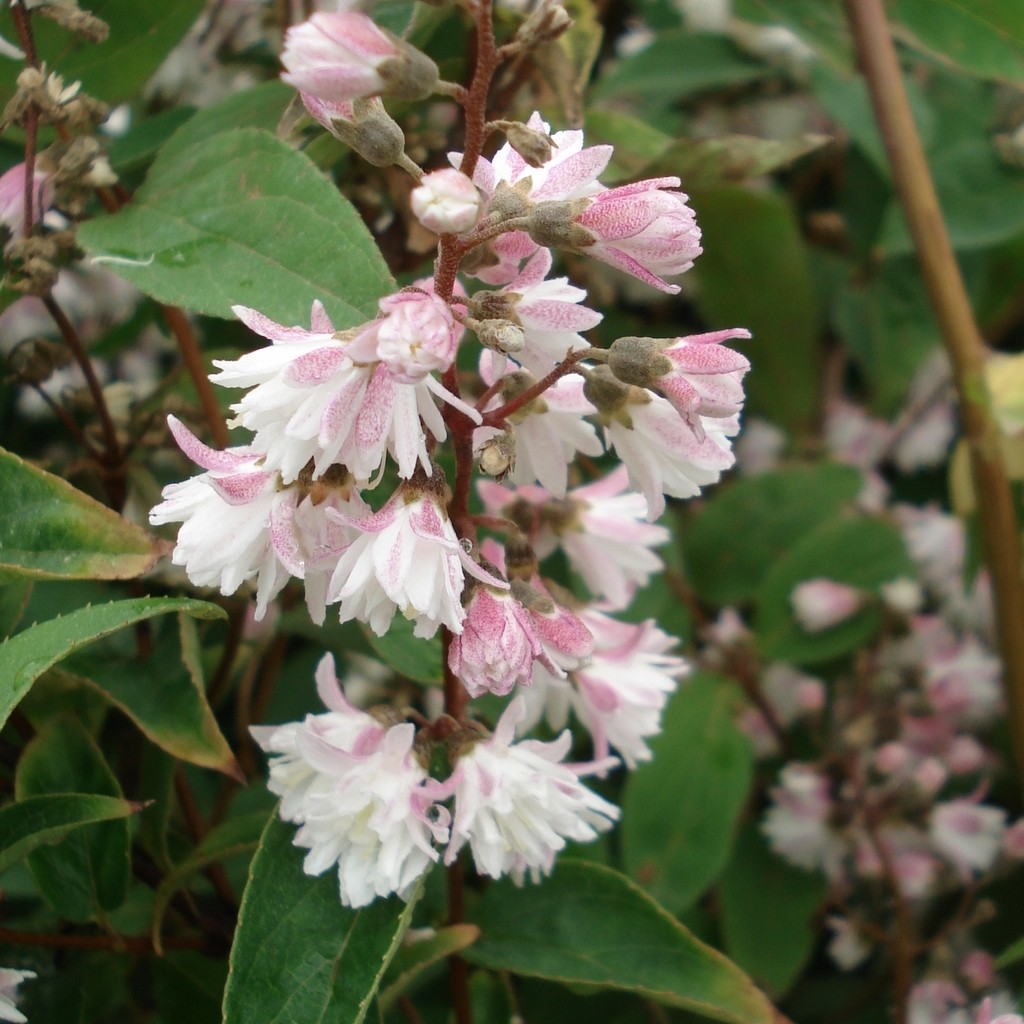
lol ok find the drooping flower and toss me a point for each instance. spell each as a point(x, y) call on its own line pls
point(662, 453)
point(343, 56)
point(10, 979)
point(516, 804)
point(225, 513)
point(498, 645)
point(363, 125)
point(621, 693)
point(446, 201)
point(643, 229)
point(406, 558)
point(359, 795)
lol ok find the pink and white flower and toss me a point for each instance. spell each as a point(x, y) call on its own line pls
point(797, 823)
point(358, 794)
point(10, 979)
point(961, 675)
point(498, 645)
point(417, 336)
point(820, 604)
point(344, 55)
point(446, 201)
point(968, 833)
point(12, 198)
point(225, 513)
point(516, 804)
point(323, 396)
point(548, 311)
point(621, 693)
point(406, 558)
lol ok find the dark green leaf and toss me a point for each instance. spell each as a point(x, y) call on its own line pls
point(28, 654)
point(768, 912)
point(40, 820)
point(590, 925)
point(51, 530)
point(410, 656)
point(985, 37)
point(676, 836)
point(232, 838)
point(754, 274)
point(819, 23)
point(188, 986)
point(241, 217)
point(1011, 955)
point(164, 695)
point(88, 872)
point(299, 956)
point(745, 528)
point(863, 553)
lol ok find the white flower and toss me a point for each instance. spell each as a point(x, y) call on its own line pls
point(847, 947)
point(797, 823)
point(406, 558)
point(10, 979)
point(516, 804)
point(358, 794)
point(820, 604)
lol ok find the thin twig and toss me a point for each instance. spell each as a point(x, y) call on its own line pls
point(967, 352)
point(197, 827)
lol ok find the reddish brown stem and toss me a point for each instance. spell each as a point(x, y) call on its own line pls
point(188, 345)
point(497, 417)
point(197, 827)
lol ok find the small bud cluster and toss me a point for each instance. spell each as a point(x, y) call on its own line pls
point(335, 415)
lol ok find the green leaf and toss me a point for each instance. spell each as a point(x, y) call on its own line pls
point(41, 820)
point(141, 35)
point(236, 836)
point(985, 37)
point(408, 655)
point(241, 217)
point(637, 144)
point(676, 837)
point(1013, 954)
point(88, 873)
point(590, 925)
point(678, 64)
point(14, 598)
point(768, 912)
point(413, 959)
point(746, 527)
point(28, 654)
point(51, 530)
point(754, 273)
point(860, 552)
point(165, 695)
point(188, 986)
point(299, 956)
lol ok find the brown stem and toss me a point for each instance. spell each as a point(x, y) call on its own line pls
point(458, 969)
point(188, 344)
point(197, 827)
point(139, 944)
point(998, 520)
point(497, 417)
point(112, 453)
point(408, 1008)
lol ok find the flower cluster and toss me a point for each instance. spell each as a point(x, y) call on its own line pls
point(336, 415)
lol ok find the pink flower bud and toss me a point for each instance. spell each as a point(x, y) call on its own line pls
point(820, 604)
point(978, 969)
point(1013, 841)
point(969, 834)
point(343, 56)
point(12, 198)
point(363, 125)
point(446, 201)
point(930, 775)
point(965, 755)
point(891, 758)
point(417, 336)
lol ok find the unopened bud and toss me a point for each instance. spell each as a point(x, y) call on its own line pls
point(363, 125)
point(510, 201)
point(607, 393)
point(498, 456)
point(446, 202)
point(534, 146)
point(553, 225)
point(547, 21)
point(638, 361)
point(412, 75)
point(502, 336)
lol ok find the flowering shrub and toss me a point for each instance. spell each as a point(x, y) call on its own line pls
point(511, 440)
